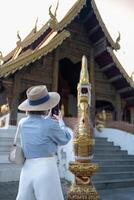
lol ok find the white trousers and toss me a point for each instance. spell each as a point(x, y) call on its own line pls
point(39, 180)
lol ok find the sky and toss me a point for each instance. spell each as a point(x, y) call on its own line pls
point(21, 15)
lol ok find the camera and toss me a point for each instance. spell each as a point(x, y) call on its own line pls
point(55, 110)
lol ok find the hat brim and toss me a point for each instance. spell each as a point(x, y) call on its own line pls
point(53, 101)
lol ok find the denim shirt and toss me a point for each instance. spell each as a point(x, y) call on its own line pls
point(40, 136)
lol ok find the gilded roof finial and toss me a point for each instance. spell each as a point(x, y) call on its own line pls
point(132, 76)
point(117, 45)
point(18, 48)
point(19, 39)
point(1, 58)
point(35, 26)
point(55, 13)
point(53, 19)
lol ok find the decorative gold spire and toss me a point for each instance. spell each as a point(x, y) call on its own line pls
point(1, 58)
point(83, 142)
point(84, 86)
point(53, 20)
point(84, 77)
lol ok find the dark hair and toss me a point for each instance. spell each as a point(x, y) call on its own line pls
point(37, 112)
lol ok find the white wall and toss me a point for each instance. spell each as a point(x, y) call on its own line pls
point(121, 138)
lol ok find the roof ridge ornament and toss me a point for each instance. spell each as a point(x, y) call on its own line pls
point(19, 39)
point(117, 45)
point(1, 58)
point(53, 20)
point(18, 48)
point(132, 76)
point(35, 26)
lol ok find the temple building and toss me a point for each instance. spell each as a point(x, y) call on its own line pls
point(52, 56)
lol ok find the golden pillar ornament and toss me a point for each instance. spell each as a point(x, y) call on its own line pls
point(82, 167)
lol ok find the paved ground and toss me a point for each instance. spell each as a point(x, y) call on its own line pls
point(8, 191)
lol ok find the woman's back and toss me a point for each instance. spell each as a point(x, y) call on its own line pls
point(40, 136)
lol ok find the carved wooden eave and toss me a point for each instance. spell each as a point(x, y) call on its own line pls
point(35, 36)
point(120, 67)
point(31, 37)
point(24, 60)
point(114, 45)
point(72, 13)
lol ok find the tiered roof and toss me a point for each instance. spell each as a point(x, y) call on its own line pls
point(51, 35)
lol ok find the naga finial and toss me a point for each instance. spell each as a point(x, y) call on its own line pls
point(132, 76)
point(35, 26)
point(55, 13)
point(19, 39)
point(117, 45)
point(53, 19)
point(1, 58)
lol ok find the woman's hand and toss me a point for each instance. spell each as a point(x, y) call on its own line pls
point(57, 117)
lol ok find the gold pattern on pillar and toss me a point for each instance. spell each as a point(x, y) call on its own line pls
point(83, 142)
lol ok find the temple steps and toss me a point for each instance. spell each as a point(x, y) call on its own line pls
point(11, 173)
point(8, 171)
point(116, 167)
point(114, 183)
point(115, 175)
point(107, 147)
point(112, 162)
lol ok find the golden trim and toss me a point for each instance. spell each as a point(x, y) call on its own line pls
point(21, 61)
point(85, 192)
point(120, 67)
point(114, 44)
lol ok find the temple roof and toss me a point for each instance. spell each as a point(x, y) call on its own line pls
point(30, 56)
point(40, 43)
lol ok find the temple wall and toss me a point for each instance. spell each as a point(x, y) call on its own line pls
point(39, 72)
point(77, 45)
point(104, 90)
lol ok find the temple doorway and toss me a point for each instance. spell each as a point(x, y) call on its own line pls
point(67, 85)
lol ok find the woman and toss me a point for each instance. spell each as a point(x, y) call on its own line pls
point(40, 136)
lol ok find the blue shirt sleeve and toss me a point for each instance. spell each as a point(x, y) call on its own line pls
point(59, 133)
